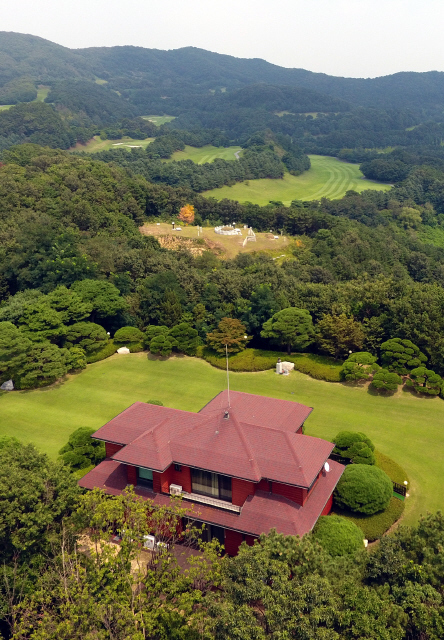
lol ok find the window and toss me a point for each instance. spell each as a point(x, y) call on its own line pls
point(210, 484)
point(178, 467)
point(145, 477)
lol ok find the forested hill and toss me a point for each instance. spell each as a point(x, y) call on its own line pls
point(151, 73)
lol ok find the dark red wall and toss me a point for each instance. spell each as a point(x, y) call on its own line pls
point(233, 540)
point(328, 506)
point(263, 485)
point(112, 448)
point(131, 474)
point(296, 494)
point(162, 481)
point(241, 489)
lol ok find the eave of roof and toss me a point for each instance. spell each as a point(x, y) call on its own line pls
point(260, 513)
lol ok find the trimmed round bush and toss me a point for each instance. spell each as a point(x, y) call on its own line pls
point(363, 489)
point(355, 446)
point(338, 536)
point(128, 334)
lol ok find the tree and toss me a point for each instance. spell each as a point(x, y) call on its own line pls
point(81, 450)
point(14, 346)
point(186, 214)
point(355, 446)
point(385, 380)
point(40, 322)
point(291, 327)
point(45, 363)
point(359, 366)
point(89, 336)
point(69, 305)
point(104, 297)
point(162, 344)
point(187, 339)
point(152, 330)
point(363, 489)
point(425, 381)
point(113, 591)
point(171, 310)
point(130, 337)
point(401, 355)
point(338, 335)
point(76, 359)
point(229, 336)
point(35, 494)
point(338, 536)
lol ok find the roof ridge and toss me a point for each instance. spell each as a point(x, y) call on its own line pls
point(293, 453)
point(249, 449)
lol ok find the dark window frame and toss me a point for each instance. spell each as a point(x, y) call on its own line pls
point(224, 485)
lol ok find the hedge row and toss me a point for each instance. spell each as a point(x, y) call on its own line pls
point(108, 350)
point(250, 360)
point(375, 526)
point(394, 471)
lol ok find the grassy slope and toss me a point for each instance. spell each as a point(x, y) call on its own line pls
point(96, 144)
point(158, 120)
point(208, 153)
point(328, 177)
point(404, 427)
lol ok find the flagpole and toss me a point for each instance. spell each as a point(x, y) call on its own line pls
point(228, 377)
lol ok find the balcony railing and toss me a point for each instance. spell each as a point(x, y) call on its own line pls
point(211, 502)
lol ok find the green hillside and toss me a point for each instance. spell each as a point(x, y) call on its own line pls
point(327, 178)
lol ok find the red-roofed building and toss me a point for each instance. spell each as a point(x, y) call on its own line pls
point(242, 464)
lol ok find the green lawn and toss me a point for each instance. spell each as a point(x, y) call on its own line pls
point(42, 93)
point(327, 178)
point(97, 144)
point(158, 120)
point(408, 429)
point(4, 107)
point(208, 153)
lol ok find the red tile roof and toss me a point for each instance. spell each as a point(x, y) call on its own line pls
point(260, 513)
point(285, 415)
point(256, 440)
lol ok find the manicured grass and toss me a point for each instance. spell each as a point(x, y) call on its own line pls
point(225, 246)
point(158, 120)
point(97, 144)
point(42, 93)
point(327, 178)
point(4, 107)
point(208, 153)
point(408, 429)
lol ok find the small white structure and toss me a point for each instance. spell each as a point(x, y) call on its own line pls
point(284, 368)
point(123, 350)
point(251, 236)
point(228, 230)
point(7, 386)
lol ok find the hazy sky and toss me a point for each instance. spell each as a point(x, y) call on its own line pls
point(359, 38)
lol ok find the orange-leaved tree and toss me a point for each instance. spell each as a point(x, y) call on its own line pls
point(186, 214)
point(229, 332)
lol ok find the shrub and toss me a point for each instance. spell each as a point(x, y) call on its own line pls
point(394, 471)
point(81, 450)
point(374, 527)
point(130, 337)
point(355, 446)
point(76, 359)
point(153, 330)
point(359, 366)
point(162, 344)
point(318, 367)
point(363, 489)
point(338, 536)
point(107, 351)
point(385, 380)
point(425, 381)
point(186, 337)
point(156, 402)
point(401, 355)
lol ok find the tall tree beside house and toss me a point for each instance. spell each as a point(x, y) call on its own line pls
point(229, 336)
point(292, 328)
